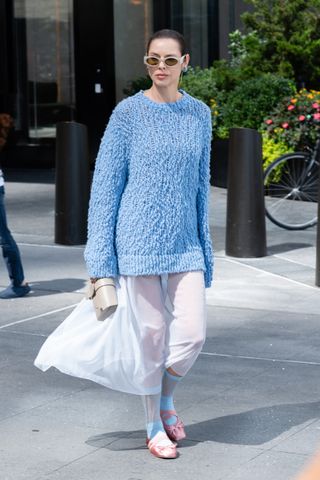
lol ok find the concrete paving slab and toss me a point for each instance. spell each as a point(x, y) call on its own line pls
point(41, 445)
point(267, 465)
point(243, 422)
point(263, 410)
point(21, 201)
point(56, 433)
point(37, 303)
point(104, 409)
point(211, 375)
point(44, 323)
point(306, 442)
point(286, 384)
point(304, 255)
point(46, 268)
point(245, 286)
point(21, 395)
point(263, 334)
point(285, 268)
point(132, 461)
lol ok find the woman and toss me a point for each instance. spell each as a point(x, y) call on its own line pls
point(148, 228)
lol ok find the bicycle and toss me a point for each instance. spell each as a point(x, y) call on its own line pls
point(291, 185)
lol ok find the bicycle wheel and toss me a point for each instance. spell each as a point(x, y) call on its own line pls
point(291, 191)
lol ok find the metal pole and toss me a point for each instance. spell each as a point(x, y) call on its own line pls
point(72, 183)
point(246, 225)
point(318, 238)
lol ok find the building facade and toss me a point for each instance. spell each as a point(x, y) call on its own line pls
point(64, 60)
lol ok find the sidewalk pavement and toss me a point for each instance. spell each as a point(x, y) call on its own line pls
point(250, 403)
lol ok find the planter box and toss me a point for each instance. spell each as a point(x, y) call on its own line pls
point(219, 162)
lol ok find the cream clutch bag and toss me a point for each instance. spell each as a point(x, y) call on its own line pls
point(103, 294)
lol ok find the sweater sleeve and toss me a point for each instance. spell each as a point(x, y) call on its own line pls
point(108, 182)
point(203, 199)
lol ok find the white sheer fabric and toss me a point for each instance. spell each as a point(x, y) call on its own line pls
point(160, 322)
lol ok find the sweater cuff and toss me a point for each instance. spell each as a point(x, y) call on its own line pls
point(208, 278)
point(209, 263)
point(109, 267)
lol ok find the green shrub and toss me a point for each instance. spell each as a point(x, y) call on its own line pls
point(226, 76)
point(200, 83)
point(251, 101)
point(271, 150)
point(134, 86)
point(288, 34)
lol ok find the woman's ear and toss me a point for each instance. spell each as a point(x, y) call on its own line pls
point(186, 62)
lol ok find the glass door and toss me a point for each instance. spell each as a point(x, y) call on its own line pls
point(45, 65)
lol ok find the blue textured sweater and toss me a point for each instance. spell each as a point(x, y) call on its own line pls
point(148, 210)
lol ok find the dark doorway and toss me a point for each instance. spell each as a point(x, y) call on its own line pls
point(94, 66)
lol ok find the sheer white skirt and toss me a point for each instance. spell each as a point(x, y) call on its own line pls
point(160, 322)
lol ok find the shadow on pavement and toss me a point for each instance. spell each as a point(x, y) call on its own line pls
point(254, 427)
point(52, 287)
point(287, 247)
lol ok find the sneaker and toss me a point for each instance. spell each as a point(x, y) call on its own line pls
point(15, 292)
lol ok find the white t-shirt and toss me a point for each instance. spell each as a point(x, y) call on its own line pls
point(1, 178)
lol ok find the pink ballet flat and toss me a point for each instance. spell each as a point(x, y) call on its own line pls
point(161, 447)
point(176, 431)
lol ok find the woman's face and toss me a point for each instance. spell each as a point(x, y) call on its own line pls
point(162, 75)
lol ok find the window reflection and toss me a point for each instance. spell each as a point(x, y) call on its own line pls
point(130, 41)
point(195, 29)
point(50, 67)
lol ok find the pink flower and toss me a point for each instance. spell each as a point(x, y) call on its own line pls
point(291, 107)
point(301, 118)
point(285, 125)
point(316, 116)
point(315, 105)
point(269, 121)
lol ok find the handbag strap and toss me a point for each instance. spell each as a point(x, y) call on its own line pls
point(94, 287)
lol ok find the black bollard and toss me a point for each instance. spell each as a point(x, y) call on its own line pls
point(72, 183)
point(246, 225)
point(318, 239)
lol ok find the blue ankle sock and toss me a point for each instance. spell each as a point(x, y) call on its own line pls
point(166, 403)
point(169, 382)
point(154, 427)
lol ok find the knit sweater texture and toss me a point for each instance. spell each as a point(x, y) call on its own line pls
point(148, 210)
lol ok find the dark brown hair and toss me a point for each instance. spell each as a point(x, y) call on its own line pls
point(167, 33)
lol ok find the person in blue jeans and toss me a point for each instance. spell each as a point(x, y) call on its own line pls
point(18, 287)
point(10, 251)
